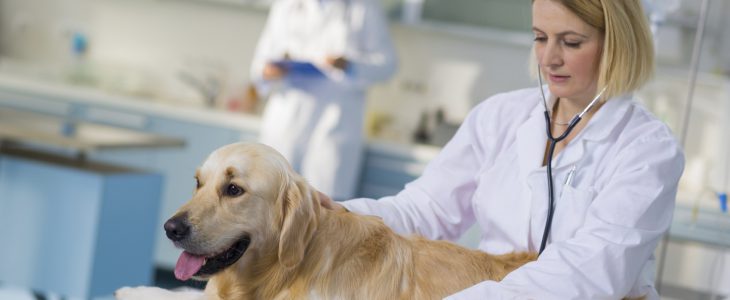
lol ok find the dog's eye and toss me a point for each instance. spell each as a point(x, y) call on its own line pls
point(197, 183)
point(233, 190)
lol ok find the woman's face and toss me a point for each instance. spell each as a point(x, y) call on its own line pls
point(567, 49)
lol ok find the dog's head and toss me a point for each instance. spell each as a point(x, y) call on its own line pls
point(248, 204)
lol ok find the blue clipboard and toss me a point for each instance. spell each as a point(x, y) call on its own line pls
point(297, 68)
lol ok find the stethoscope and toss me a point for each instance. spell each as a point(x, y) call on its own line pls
point(551, 148)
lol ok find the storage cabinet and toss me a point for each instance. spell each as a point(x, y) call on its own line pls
point(388, 167)
point(78, 229)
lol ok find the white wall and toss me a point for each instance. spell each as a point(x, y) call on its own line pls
point(453, 71)
point(166, 36)
point(39, 30)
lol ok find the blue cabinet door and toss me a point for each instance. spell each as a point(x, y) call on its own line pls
point(76, 229)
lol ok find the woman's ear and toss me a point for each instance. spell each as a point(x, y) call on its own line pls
point(299, 212)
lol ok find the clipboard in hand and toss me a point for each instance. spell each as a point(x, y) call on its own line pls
point(295, 68)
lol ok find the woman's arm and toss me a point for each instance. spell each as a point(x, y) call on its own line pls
point(437, 205)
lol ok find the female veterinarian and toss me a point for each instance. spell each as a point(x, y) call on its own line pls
point(316, 121)
point(613, 168)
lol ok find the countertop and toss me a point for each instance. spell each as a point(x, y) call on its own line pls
point(22, 127)
point(27, 86)
point(55, 90)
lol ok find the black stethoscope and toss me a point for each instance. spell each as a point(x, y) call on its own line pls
point(551, 148)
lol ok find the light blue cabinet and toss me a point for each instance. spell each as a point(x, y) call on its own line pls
point(76, 229)
point(387, 168)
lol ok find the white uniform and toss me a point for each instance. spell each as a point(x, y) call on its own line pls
point(317, 124)
point(608, 219)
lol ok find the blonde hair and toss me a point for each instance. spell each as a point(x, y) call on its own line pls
point(627, 59)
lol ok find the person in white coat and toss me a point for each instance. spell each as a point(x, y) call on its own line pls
point(615, 175)
point(317, 122)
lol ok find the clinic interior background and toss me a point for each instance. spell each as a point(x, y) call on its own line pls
point(450, 59)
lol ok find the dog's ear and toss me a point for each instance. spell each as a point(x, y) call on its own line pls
point(299, 221)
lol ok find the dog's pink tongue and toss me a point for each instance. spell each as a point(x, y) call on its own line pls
point(187, 265)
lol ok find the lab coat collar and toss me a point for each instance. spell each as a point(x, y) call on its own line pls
point(611, 112)
point(608, 116)
point(599, 127)
point(606, 119)
point(531, 139)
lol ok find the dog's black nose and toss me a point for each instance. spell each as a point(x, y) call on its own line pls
point(177, 228)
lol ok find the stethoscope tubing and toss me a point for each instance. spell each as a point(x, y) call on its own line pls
point(551, 150)
point(551, 193)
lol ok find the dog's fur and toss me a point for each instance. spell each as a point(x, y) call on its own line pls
point(299, 250)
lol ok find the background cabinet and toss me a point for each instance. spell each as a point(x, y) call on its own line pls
point(78, 229)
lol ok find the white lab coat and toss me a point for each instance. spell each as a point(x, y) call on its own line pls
point(608, 219)
point(317, 124)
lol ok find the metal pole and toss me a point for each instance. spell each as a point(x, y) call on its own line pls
point(693, 70)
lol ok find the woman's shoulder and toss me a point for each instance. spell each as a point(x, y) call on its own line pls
point(643, 125)
point(641, 140)
point(641, 134)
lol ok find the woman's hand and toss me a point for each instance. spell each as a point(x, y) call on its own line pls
point(338, 62)
point(326, 202)
point(273, 72)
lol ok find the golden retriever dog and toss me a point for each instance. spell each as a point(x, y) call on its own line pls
point(255, 229)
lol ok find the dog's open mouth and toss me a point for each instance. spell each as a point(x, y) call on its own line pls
point(189, 265)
